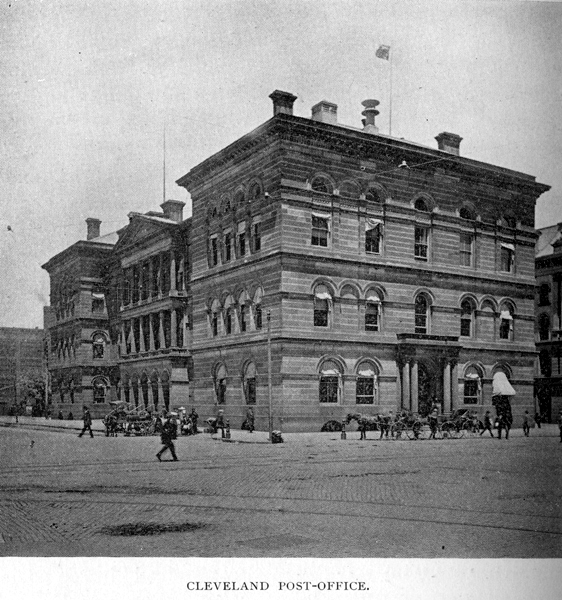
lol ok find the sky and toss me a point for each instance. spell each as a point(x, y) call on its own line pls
point(88, 88)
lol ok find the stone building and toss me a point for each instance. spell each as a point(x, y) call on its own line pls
point(548, 309)
point(118, 320)
point(326, 269)
point(82, 360)
point(387, 274)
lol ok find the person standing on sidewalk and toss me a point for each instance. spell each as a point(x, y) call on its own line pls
point(526, 426)
point(487, 424)
point(250, 420)
point(168, 435)
point(538, 419)
point(87, 423)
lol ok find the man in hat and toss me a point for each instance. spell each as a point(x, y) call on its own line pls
point(168, 435)
point(87, 423)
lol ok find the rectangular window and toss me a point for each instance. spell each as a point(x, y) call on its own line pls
point(256, 234)
point(320, 313)
point(329, 388)
point(465, 248)
point(320, 229)
point(420, 243)
point(242, 243)
point(365, 390)
point(505, 329)
point(507, 258)
point(373, 238)
point(215, 323)
point(259, 321)
point(371, 317)
point(227, 246)
point(471, 391)
point(214, 252)
point(466, 326)
point(228, 321)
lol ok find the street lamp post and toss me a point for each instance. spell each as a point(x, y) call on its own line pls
point(269, 390)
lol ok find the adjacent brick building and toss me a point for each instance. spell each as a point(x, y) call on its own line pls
point(549, 319)
point(371, 273)
point(21, 358)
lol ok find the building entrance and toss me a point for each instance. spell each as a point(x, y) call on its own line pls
point(426, 390)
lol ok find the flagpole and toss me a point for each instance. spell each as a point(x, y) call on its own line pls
point(164, 163)
point(390, 102)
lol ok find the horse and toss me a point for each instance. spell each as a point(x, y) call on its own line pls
point(364, 423)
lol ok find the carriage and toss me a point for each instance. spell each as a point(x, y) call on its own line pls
point(129, 420)
point(405, 426)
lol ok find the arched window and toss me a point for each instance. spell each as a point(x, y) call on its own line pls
point(349, 189)
point(220, 384)
point(374, 196)
point(366, 388)
point(422, 205)
point(243, 312)
point(545, 363)
point(508, 221)
point(250, 383)
point(544, 294)
point(472, 386)
point(239, 199)
point(214, 318)
point(254, 192)
point(467, 213)
point(228, 316)
point(421, 314)
point(98, 346)
point(258, 318)
point(330, 383)
point(544, 327)
point(467, 318)
point(372, 311)
point(322, 304)
point(321, 185)
point(506, 321)
point(100, 386)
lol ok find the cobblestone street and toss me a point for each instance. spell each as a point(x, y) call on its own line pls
point(313, 496)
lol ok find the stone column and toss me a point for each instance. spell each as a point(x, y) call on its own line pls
point(173, 329)
point(150, 333)
point(123, 340)
point(151, 291)
point(161, 336)
point(406, 386)
point(415, 386)
point(141, 335)
point(447, 387)
point(133, 343)
point(172, 271)
point(182, 267)
point(455, 386)
point(160, 277)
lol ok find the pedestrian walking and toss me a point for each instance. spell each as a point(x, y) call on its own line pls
point(168, 435)
point(538, 419)
point(87, 423)
point(560, 424)
point(250, 420)
point(487, 424)
point(526, 426)
point(433, 420)
point(503, 423)
point(194, 418)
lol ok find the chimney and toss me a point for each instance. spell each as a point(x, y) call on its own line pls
point(282, 102)
point(173, 210)
point(370, 113)
point(93, 228)
point(449, 142)
point(325, 112)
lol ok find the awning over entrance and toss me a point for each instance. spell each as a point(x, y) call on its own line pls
point(501, 385)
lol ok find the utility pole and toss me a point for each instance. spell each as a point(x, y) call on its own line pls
point(269, 390)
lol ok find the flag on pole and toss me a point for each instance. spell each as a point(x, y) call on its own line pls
point(383, 52)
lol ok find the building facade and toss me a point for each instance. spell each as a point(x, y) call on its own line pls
point(549, 320)
point(325, 270)
point(376, 273)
